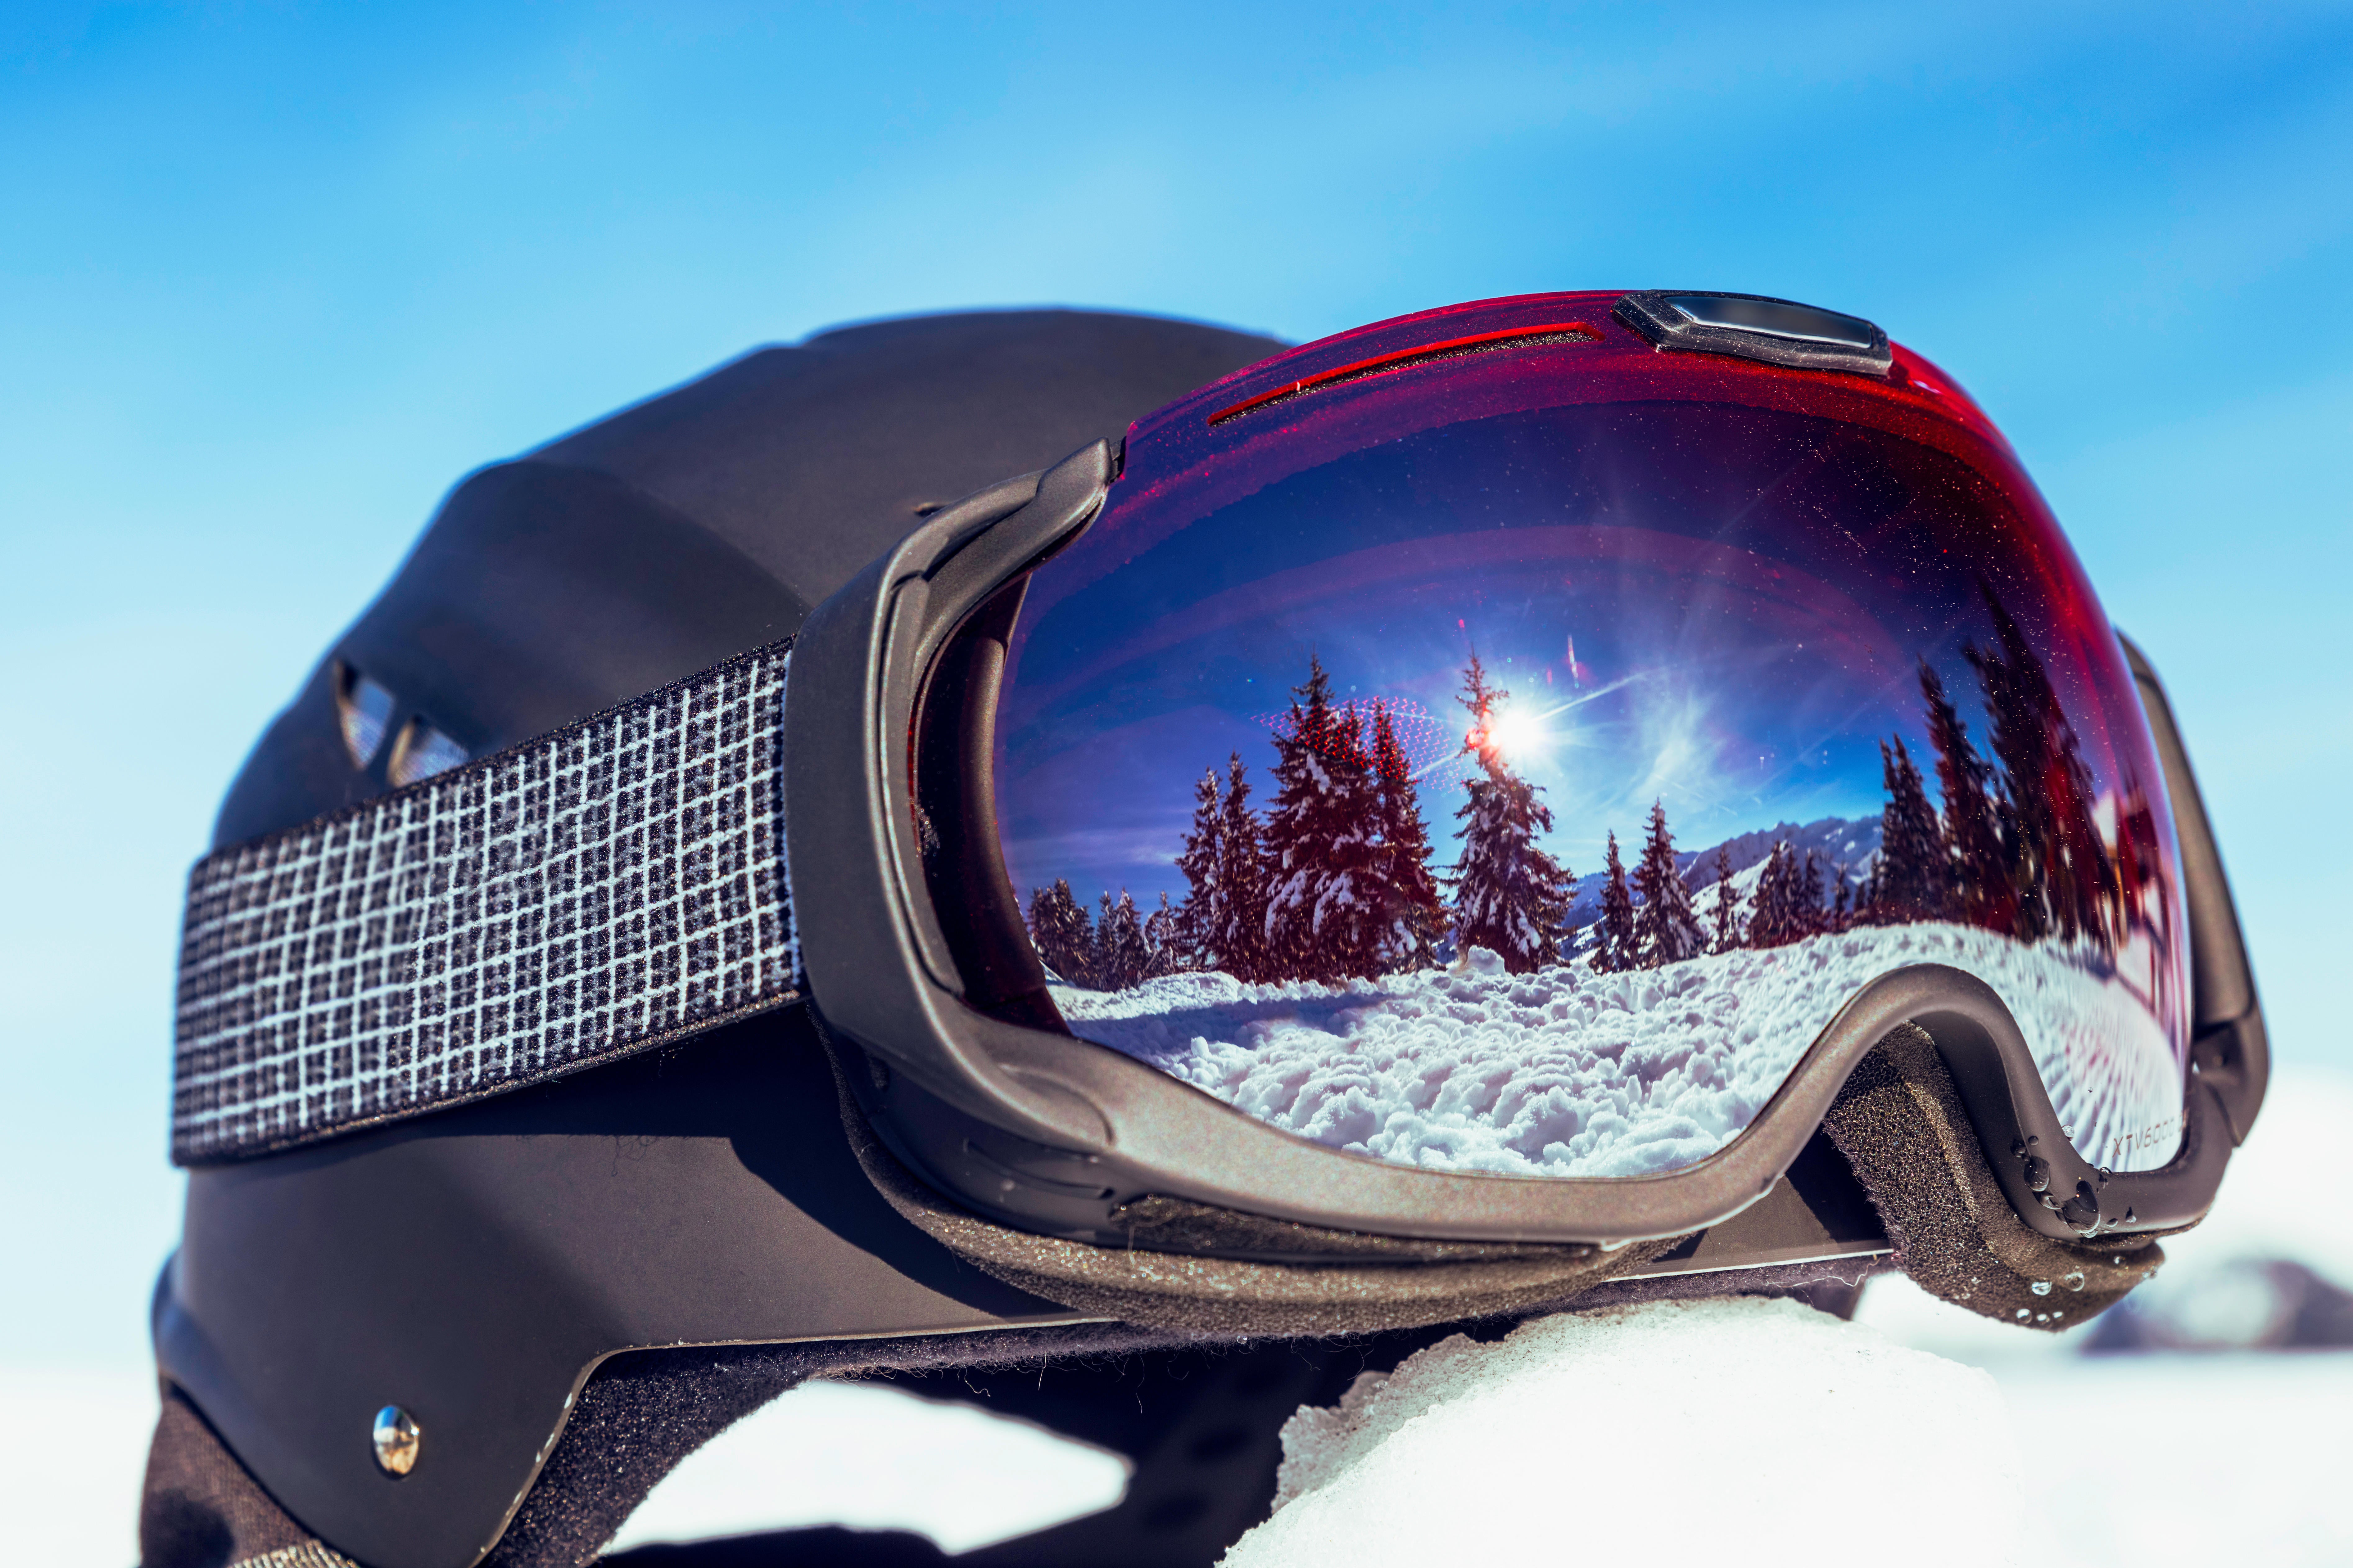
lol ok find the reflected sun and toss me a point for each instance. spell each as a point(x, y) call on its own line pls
point(1517, 734)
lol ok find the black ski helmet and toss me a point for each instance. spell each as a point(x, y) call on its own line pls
point(490, 1328)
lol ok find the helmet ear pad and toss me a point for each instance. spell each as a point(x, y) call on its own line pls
point(201, 1506)
point(1899, 1121)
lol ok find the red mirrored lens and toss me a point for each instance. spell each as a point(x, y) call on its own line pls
point(1511, 764)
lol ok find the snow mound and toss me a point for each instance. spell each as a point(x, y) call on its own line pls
point(1566, 1072)
point(1735, 1429)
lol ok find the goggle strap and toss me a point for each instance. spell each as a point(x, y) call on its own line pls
point(610, 886)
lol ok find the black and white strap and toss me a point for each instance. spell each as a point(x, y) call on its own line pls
point(610, 886)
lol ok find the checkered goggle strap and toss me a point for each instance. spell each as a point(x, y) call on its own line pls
point(615, 884)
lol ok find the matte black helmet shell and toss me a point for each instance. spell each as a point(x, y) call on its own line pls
point(416, 1265)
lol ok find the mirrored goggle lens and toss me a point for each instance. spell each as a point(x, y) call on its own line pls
point(1525, 794)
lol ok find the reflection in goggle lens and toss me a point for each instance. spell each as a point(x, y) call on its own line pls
point(1524, 796)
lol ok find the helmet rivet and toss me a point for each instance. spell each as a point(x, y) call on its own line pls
point(397, 1439)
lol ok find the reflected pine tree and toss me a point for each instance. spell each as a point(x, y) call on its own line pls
point(1200, 924)
point(1121, 957)
point(1241, 871)
point(1912, 879)
point(1063, 935)
point(1323, 907)
point(1730, 930)
point(1613, 940)
point(1163, 953)
point(1510, 897)
point(1412, 913)
point(1666, 929)
point(1975, 864)
point(2060, 872)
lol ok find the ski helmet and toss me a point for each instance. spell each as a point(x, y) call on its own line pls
point(734, 912)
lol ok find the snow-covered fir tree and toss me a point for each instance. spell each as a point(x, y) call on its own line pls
point(1910, 880)
point(2060, 866)
point(1510, 897)
point(1099, 962)
point(1666, 931)
point(1122, 959)
point(1977, 865)
point(1323, 909)
point(1775, 920)
point(1201, 920)
point(1412, 913)
point(1812, 916)
point(1815, 908)
point(1730, 930)
point(1162, 942)
point(1614, 946)
point(1239, 935)
point(1064, 937)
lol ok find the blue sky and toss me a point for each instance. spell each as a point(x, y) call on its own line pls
point(273, 277)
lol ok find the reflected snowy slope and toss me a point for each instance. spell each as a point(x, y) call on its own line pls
point(1567, 1072)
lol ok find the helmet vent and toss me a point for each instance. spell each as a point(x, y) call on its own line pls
point(421, 752)
point(364, 710)
point(1484, 343)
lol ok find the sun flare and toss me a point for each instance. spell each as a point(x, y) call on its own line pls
point(1516, 734)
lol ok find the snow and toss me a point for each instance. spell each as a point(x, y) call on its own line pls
point(1764, 1433)
point(73, 1449)
point(2200, 1460)
point(2267, 1488)
point(2262, 1481)
point(876, 1457)
point(1565, 1072)
point(2282, 1197)
point(2160, 1460)
point(1744, 1430)
point(2278, 1205)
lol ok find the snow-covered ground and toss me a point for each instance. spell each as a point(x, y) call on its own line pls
point(1764, 1433)
point(1740, 1431)
point(874, 1457)
point(73, 1449)
point(2127, 1461)
point(1566, 1072)
point(2262, 1483)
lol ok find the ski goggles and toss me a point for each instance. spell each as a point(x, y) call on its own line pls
point(1499, 780)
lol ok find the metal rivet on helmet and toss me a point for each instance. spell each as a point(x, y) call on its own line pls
point(398, 1439)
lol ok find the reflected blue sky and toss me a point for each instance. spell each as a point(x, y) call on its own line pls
point(1718, 608)
point(275, 276)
